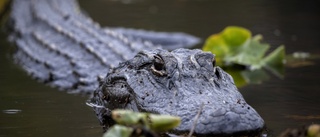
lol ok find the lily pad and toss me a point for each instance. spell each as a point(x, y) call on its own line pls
point(234, 45)
point(227, 42)
point(235, 36)
point(250, 53)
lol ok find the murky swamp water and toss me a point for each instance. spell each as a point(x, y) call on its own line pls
point(289, 102)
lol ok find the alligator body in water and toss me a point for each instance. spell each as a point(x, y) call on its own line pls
point(59, 45)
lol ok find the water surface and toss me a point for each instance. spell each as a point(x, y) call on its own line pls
point(40, 110)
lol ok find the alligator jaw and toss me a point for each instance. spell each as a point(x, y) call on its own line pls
point(191, 81)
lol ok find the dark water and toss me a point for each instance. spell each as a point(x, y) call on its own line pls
point(44, 111)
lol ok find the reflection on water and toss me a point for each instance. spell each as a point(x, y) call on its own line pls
point(44, 111)
point(11, 111)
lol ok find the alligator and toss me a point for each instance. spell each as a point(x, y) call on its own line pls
point(133, 69)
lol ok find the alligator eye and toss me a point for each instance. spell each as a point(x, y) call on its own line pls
point(158, 67)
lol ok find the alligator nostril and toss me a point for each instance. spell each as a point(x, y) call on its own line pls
point(205, 59)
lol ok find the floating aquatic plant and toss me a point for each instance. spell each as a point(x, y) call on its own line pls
point(236, 45)
point(139, 123)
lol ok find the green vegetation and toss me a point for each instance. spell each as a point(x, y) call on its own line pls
point(313, 130)
point(236, 46)
point(140, 124)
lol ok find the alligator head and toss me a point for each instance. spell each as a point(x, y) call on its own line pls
point(177, 83)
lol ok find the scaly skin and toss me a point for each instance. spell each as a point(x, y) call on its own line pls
point(177, 83)
point(60, 46)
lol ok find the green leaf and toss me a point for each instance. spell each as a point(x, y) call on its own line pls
point(127, 117)
point(150, 121)
point(227, 42)
point(235, 36)
point(250, 54)
point(118, 131)
point(216, 45)
point(234, 46)
point(163, 122)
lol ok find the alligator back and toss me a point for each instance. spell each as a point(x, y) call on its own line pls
point(59, 45)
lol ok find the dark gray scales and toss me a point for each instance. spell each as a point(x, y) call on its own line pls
point(177, 83)
point(62, 47)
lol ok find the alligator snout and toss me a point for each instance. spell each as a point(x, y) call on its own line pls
point(227, 120)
